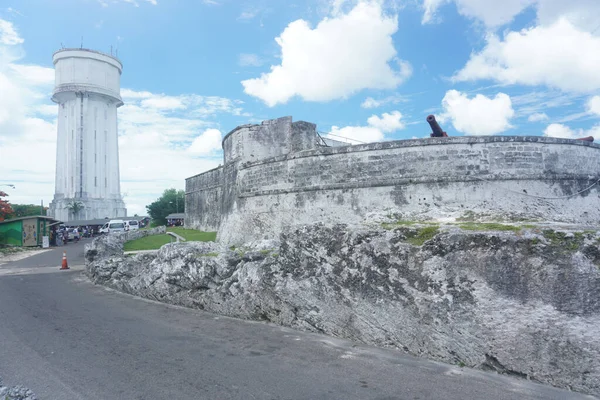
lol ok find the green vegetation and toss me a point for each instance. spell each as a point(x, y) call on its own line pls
point(489, 226)
point(26, 210)
point(561, 239)
point(171, 201)
point(210, 255)
point(154, 242)
point(192, 235)
point(421, 235)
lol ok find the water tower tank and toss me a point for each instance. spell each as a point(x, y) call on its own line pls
point(87, 90)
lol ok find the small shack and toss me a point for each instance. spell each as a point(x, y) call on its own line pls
point(25, 231)
point(175, 219)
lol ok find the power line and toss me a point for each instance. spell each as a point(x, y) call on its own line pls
point(343, 137)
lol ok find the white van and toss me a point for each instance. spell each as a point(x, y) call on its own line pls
point(116, 226)
point(132, 225)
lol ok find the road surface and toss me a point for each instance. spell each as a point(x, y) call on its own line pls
point(65, 338)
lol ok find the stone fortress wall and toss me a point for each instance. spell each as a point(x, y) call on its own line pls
point(278, 174)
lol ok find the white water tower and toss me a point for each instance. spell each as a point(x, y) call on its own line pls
point(87, 91)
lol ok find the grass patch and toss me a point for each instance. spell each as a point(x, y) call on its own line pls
point(489, 226)
point(421, 235)
point(192, 235)
point(10, 250)
point(528, 226)
point(560, 239)
point(153, 242)
point(210, 255)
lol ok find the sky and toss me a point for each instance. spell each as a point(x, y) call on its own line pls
point(362, 70)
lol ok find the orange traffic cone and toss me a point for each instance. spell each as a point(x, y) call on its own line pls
point(64, 262)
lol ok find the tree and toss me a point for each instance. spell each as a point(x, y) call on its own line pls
point(25, 210)
point(75, 207)
point(170, 202)
point(5, 208)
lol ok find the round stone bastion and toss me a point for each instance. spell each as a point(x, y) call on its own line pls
point(264, 188)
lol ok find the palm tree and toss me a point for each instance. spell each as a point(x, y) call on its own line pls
point(75, 207)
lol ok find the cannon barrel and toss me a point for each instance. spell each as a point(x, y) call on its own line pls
point(435, 127)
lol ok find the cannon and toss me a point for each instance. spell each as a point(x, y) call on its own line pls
point(587, 139)
point(435, 127)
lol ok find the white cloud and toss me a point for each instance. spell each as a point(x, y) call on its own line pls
point(185, 144)
point(480, 115)
point(27, 141)
point(342, 55)
point(248, 14)
point(206, 143)
point(563, 131)
point(8, 34)
point(132, 94)
point(250, 60)
point(388, 122)
point(356, 134)
point(163, 102)
point(430, 7)
point(370, 102)
point(374, 132)
point(558, 56)
point(537, 117)
point(491, 12)
point(593, 105)
point(581, 13)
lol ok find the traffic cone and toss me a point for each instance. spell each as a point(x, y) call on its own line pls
point(64, 261)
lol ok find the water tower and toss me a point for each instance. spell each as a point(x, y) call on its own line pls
point(87, 91)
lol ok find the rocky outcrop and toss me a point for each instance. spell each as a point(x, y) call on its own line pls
point(521, 302)
point(15, 393)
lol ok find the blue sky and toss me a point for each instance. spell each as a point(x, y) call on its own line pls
point(368, 70)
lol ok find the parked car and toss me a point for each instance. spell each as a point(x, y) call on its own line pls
point(132, 225)
point(103, 229)
point(116, 226)
point(73, 234)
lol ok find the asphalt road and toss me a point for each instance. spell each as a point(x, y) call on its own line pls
point(65, 338)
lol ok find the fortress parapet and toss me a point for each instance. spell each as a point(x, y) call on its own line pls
point(277, 137)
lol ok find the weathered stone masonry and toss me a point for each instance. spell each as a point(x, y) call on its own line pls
point(276, 175)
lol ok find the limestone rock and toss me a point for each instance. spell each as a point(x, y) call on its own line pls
point(16, 393)
point(523, 303)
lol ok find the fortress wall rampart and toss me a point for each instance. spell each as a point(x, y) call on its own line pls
point(204, 193)
point(436, 178)
point(420, 160)
point(514, 177)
